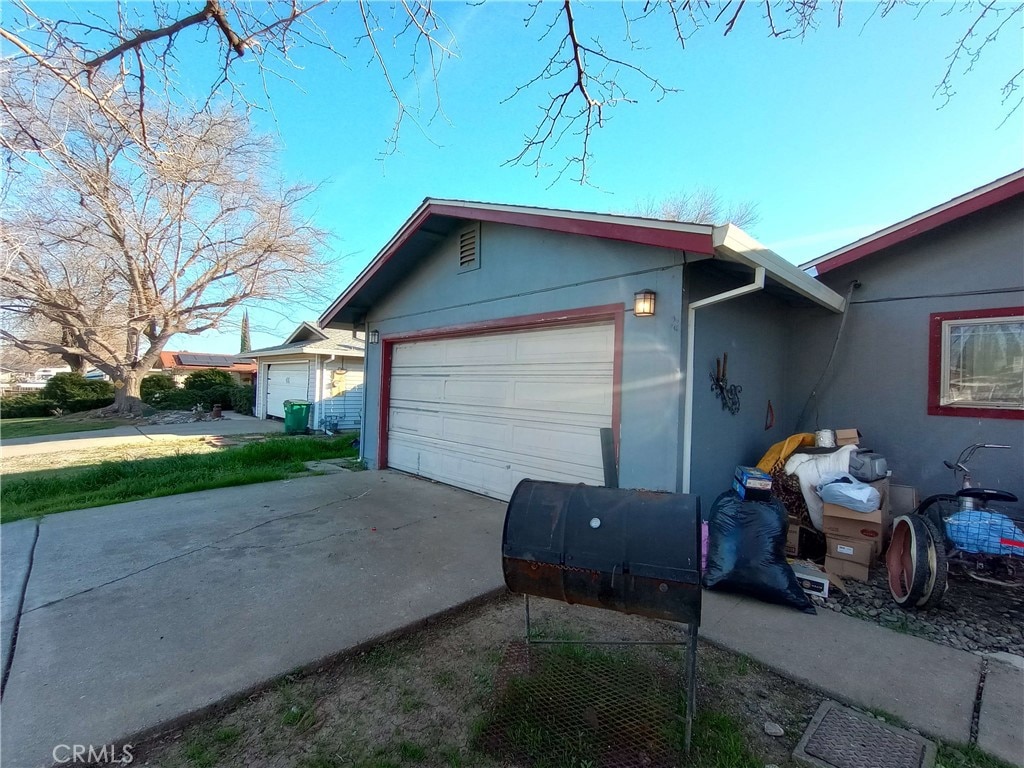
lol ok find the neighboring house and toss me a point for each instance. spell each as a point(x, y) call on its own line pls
point(324, 367)
point(179, 365)
point(503, 338)
point(931, 358)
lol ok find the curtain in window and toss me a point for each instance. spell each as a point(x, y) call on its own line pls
point(986, 363)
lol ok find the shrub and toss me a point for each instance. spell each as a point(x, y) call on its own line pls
point(177, 400)
point(153, 386)
point(208, 379)
point(219, 394)
point(65, 387)
point(27, 406)
point(243, 399)
point(87, 404)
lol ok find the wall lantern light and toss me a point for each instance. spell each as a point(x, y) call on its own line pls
point(374, 337)
point(643, 303)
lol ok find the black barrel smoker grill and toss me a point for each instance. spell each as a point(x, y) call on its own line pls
point(631, 551)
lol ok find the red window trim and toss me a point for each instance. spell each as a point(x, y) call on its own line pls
point(613, 312)
point(935, 407)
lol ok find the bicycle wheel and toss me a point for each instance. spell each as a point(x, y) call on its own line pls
point(937, 508)
point(906, 560)
point(935, 584)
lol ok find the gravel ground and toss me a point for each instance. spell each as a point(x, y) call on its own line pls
point(973, 616)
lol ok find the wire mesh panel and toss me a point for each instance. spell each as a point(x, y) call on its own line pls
point(581, 706)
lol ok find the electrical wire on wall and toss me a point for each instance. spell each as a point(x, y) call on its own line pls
point(828, 365)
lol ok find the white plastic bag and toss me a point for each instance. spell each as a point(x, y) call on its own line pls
point(809, 469)
point(847, 491)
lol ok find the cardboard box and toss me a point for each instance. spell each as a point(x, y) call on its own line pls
point(863, 551)
point(752, 477)
point(751, 494)
point(811, 580)
point(802, 541)
point(846, 569)
point(903, 499)
point(847, 437)
point(846, 523)
point(793, 540)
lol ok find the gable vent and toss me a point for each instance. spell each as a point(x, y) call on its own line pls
point(469, 254)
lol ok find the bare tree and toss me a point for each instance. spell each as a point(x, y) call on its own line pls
point(122, 231)
point(704, 205)
point(581, 81)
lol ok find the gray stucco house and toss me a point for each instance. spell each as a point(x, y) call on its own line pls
point(931, 358)
point(501, 339)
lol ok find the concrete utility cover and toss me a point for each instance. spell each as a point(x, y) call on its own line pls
point(839, 737)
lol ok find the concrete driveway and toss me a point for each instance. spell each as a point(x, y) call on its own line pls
point(140, 613)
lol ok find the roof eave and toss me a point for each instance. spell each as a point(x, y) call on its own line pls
point(694, 238)
point(734, 244)
point(976, 200)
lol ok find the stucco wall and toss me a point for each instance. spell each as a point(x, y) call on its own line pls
point(525, 272)
point(752, 331)
point(880, 378)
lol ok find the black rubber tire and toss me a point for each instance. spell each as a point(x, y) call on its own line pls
point(935, 585)
point(937, 508)
point(914, 542)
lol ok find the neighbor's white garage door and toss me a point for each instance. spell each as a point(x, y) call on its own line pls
point(286, 381)
point(483, 412)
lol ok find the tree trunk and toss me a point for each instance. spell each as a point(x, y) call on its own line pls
point(127, 394)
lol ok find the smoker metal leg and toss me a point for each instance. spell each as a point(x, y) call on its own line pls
point(691, 684)
point(527, 603)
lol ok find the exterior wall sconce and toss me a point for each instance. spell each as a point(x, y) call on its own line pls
point(643, 303)
point(374, 337)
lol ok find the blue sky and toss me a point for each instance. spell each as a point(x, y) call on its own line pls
point(833, 136)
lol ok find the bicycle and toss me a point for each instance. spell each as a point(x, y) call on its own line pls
point(963, 531)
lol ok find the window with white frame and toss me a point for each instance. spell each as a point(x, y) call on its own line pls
point(979, 357)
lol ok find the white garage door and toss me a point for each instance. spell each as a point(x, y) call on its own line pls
point(483, 412)
point(286, 381)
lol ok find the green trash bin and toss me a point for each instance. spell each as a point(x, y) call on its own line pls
point(296, 416)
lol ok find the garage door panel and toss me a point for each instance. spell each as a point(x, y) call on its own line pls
point(484, 412)
point(426, 390)
point(286, 381)
point(581, 396)
point(584, 345)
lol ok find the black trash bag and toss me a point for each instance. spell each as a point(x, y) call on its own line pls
point(747, 551)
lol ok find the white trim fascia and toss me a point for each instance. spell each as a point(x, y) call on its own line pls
point(733, 244)
point(307, 351)
point(565, 213)
point(1002, 181)
point(307, 325)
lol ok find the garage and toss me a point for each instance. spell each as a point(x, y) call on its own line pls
point(482, 412)
point(286, 381)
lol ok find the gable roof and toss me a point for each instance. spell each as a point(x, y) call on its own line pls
point(435, 219)
point(307, 339)
point(976, 200)
point(197, 361)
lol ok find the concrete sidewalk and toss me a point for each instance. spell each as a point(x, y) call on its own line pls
point(232, 424)
point(932, 687)
point(140, 613)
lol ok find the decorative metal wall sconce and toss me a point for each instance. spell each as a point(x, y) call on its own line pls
point(728, 393)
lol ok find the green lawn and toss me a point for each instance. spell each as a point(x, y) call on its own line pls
point(32, 494)
point(51, 425)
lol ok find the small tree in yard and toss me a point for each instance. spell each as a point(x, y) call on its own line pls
point(123, 227)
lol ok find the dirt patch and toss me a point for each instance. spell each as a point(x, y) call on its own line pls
point(425, 699)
